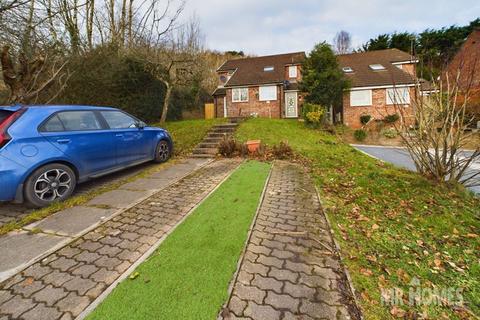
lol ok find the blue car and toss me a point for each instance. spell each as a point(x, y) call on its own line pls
point(46, 150)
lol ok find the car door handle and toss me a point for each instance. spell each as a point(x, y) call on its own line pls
point(118, 135)
point(63, 141)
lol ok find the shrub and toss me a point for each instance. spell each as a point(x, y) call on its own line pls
point(242, 149)
point(227, 147)
point(360, 134)
point(364, 119)
point(282, 151)
point(391, 118)
point(390, 133)
point(313, 114)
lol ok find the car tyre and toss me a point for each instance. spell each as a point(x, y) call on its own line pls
point(48, 184)
point(162, 151)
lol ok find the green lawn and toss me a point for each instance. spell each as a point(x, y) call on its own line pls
point(188, 276)
point(392, 224)
point(188, 133)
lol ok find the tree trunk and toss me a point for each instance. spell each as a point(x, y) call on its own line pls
point(130, 23)
point(89, 24)
point(166, 102)
point(11, 78)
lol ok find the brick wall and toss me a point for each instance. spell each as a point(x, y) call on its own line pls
point(378, 110)
point(265, 109)
point(409, 68)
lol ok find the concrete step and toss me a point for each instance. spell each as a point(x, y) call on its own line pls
point(212, 140)
point(205, 144)
point(223, 130)
point(217, 134)
point(201, 155)
point(226, 125)
point(205, 151)
point(236, 119)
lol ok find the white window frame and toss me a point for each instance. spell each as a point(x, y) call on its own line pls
point(292, 71)
point(267, 93)
point(239, 92)
point(377, 67)
point(356, 102)
point(398, 96)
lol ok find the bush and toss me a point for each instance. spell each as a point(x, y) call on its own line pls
point(313, 114)
point(282, 151)
point(364, 119)
point(390, 133)
point(102, 77)
point(360, 134)
point(227, 147)
point(391, 118)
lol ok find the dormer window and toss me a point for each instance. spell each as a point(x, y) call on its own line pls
point(376, 67)
point(268, 68)
point(292, 71)
point(347, 69)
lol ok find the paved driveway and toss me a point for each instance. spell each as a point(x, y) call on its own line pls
point(401, 158)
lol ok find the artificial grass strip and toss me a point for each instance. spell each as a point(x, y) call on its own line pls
point(188, 275)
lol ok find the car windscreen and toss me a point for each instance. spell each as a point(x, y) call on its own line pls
point(4, 115)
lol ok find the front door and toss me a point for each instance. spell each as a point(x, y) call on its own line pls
point(291, 110)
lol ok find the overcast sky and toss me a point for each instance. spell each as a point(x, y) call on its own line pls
point(275, 26)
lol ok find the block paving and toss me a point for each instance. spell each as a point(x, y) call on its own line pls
point(290, 269)
point(64, 283)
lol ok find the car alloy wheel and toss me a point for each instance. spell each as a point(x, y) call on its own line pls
point(52, 184)
point(163, 151)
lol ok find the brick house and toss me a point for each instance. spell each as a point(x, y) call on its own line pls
point(381, 81)
point(466, 65)
point(265, 86)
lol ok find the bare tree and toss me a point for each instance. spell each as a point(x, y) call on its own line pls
point(28, 78)
point(436, 130)
point(175, 60)
point(342, 42)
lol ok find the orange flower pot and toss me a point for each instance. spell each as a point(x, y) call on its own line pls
point(253, 145)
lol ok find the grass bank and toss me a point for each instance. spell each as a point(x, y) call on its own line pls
point(186, 135)
point(188, 276)
point(395, 227)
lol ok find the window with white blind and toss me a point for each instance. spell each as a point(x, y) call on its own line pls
point(267, 93)
point(292, 71)
point(359, 98)
point(398, 95)
point(239, 94)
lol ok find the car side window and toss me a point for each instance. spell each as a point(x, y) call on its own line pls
point(79, 120)
point(53, 125)
point(119, 120)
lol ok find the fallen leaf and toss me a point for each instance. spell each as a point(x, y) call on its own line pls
point(472, 235)
point(375, 226)
point(371, 258)
point(437, 262)
point(366, 272)
point(397, 312)
point(28, 281)
point(134, 275)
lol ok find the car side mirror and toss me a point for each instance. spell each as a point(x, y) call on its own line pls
point(140, 124)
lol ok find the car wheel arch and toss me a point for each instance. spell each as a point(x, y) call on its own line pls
point(64, 162)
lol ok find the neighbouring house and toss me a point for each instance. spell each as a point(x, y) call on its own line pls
point(264, 86)
point(466, 66)
point(381, 81)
